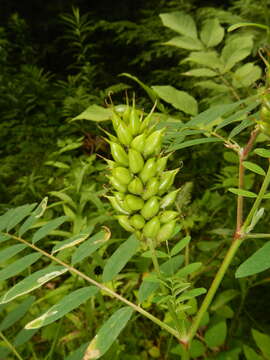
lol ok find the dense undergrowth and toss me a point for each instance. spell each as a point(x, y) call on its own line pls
point(209, 89)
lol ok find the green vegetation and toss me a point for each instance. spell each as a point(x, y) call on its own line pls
point(134, 184)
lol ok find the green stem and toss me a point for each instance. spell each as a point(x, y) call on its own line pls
point(12, 348)
point(104, 288)
point(259, 236)
point(213, 288)
point(258, 201)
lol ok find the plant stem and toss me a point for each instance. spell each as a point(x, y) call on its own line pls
point(258, 200)
point(135, 307)
point(259, 236)
point(243, 154)
point(12, 348)
point(213, 288)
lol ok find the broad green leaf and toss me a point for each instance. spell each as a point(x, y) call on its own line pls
point(180, 22)
point(207, 245)
point(32, 282)
point(189, 269)
point(254, 167)
point(235, 51)
point(209, 59)
point(180, 246)
point(200, 72)
point(3, 238)
point(223, 298)
point(238, 115)
point(78, 354)
point(250, 354)
point(10, 251)
point(23, 336)
point(244, 24)
point(15, 315)
point(197, 349)
point(243, 125)
point(212, 33)
point(18, 215)
point(181, 100)
point(13, 216)
point(48, 228)
point(75, 240)
point(95, 113)
point(242, 192)
point(159, 254)
point(246, 75)
point(210, 115)
point(108, 333)
point(66, 305)
point(18, 266)
point(215, 336)
point(37, 213)
point(150, 92)
point(193, 142)
point(185, 42)
point(65, 198)
point(256, 263)
point(58, 164)
point(168, 268)
point(262, 341)
point(190, 294)
point(262, 152)
point(91, 245)
point(120, 258)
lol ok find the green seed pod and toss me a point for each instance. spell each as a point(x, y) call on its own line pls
point(137, 221)
point(115, 120)
point(134, 121)
point(117, 205)
point(166, 231)
point(117, 184)
point(138, 142)
point(148, 170)
point(119, 154)
point(161, 163)
point(265, 114)
point(122, 174)
point(169, 199)
point(134, 202)
point(145, 122)
point(136, 161)
point(136, 186)
point(264, 127)
point(151, 228)
point(124, 222)
point(168, 216)
point(151, 188)
point(153, 143)
point(166, 180)
point(119, 195)
point(124, 134)
point(151, 208)
point(126, 114)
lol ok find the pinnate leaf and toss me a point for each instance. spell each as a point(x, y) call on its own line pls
point(108, 333)
point(256, 263)
point(63, 307)
point(120, 258)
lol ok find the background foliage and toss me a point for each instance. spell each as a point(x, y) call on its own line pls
point(58, 59)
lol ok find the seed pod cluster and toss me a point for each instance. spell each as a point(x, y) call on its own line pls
point(141, 194)
point(264, 121)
